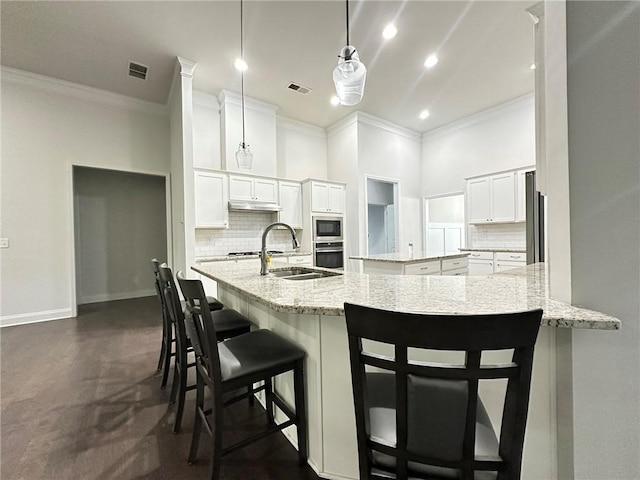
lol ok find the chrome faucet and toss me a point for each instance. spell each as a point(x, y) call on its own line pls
point(264, 268)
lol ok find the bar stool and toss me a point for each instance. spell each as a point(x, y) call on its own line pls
point(168, 335)
point(229, 322)
point(423, 420)
point(238, 363)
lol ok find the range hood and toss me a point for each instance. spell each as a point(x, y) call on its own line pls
point(253, 206)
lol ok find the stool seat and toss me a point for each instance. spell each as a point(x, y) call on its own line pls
point(247, 354)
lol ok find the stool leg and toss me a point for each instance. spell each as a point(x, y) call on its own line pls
point(181, 395)
point(175, 383)
point(197, 424)
point(301, 415)
point(252, 398)
point(216, 431)
point(162, 348)
point(268, 399)
point(167, 358)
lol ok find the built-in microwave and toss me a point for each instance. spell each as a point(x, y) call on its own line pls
point(327, 229)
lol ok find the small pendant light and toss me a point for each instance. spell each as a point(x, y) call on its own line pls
point(350, 74)
point(244, 157)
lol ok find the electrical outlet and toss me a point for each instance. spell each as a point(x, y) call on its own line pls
point(4, 243)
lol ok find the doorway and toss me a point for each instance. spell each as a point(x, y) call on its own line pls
point(120, 224)
point(444, 224)
point(382, 215)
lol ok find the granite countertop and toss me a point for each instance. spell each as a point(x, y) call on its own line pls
point(404, 257)
point(495, 249)
point(518, 289)
point(221, 258)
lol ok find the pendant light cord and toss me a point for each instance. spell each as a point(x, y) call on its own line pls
point(347, 2)
point(242, 71)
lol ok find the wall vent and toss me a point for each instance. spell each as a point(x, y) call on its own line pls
point(138, 70)
point(299, 88)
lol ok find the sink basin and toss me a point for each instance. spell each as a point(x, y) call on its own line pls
point(299, 273)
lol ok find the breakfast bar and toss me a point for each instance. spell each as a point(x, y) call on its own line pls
point(310, 313)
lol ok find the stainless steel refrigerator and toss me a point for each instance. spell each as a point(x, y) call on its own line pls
point(535, 220)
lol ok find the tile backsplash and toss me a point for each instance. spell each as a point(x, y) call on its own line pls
point(244, 234)
point(498, 235)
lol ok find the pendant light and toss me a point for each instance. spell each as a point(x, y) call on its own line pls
point(350, 74)
point(244, 157)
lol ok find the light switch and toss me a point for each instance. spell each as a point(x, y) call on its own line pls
point(4, 243)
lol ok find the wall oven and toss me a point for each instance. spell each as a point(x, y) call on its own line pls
point(327, 229)
point(328, 254)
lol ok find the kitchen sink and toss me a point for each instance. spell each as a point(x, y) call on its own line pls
point(301, 274)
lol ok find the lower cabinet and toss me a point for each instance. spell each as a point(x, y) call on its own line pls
point(448, 266)
point(486, 263)
point(300, 260)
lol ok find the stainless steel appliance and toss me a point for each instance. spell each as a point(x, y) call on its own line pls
point(328, 254)
point(535, 220)
point(327, 229)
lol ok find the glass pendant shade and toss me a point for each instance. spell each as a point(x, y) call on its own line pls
point(244, 157)
point(349, 77)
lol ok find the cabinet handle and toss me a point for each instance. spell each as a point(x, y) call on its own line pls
point(514, 256)
point(425, 268)
point(456, 263)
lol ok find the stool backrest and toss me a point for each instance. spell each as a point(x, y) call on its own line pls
point(471, 334)
point(155, 266)
point(202, 327)
point(172, 302)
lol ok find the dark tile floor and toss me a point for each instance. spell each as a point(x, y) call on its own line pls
point(81, 399)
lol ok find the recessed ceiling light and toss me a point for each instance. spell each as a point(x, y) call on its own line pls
point(389, 31)
point(431, 60)
point(532, 66)
point(424, 114)
point(335, 101)
point(240, 64)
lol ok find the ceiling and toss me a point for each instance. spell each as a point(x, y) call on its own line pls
point(485, 50)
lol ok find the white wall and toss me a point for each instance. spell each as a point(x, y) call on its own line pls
point(498, 139)
point(603, 40)
point(120, 224)
point(47, 127)
point(392, 152)
point(206, 131)
point(301, 150)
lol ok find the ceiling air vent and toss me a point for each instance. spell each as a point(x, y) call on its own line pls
point(299, 88)
point(138, 71)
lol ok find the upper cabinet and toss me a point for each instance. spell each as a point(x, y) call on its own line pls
point(491, 199)
point(290, 199)
point(497, 198)
point(211, 198)
point(327, 197)
point(253, 189)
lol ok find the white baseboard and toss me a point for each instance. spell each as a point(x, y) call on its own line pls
point(108, 297)
point(35, 317)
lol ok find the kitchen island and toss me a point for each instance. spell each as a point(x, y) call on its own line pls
point(401, 263)
point(311, 314)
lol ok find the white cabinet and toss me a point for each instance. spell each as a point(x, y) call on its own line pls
point(480, 263)
point(300, 260)
point(455, 266)
point(290, 199)
point(508, 260)
point(521, 195)
point(491, 199)
point(253, 189)
point(211, 197)
point(423, 268)
point(327, 197)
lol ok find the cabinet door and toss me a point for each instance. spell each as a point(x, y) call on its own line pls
point(265, 190)
point(479, 202)
point(521, 196)
point(240, 188)
point(501, 266)
point(319, 197)
point(336, 198)
point(290, 194)
point(211, 199)
point(503, 197)
point(480, 267)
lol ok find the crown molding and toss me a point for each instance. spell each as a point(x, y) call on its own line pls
point(298, 126)
point(206, 100)
point(377, 122)
point(233, 98)
point(478, 117)
point(343, 124)
point(81, 92)
point(187, 67)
